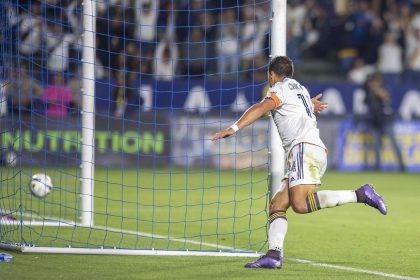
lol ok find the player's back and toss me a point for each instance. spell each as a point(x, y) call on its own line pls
point(294, 118)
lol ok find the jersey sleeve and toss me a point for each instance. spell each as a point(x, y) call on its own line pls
point(276, 94)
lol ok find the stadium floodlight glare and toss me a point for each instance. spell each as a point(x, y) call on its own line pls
point(127, 142)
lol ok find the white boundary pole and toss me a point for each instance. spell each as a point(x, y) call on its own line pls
point(88, 113)
point(278, 47)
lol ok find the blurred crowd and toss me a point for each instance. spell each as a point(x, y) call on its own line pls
point(361, 36)
point(158, 39)
point(221, 39)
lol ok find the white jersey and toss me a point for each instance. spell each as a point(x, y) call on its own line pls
point(294, 116)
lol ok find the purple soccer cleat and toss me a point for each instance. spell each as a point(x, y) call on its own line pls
point(272, 259)
point(366, 194)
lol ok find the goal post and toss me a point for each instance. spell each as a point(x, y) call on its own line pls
point(88, 113)
point(142, 87)
point(278, 47)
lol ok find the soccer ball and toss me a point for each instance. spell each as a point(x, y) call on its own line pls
point(41, 185)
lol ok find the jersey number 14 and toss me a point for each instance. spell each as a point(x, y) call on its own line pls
point(305, 103)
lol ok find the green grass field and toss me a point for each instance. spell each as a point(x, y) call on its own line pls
point(350, 236)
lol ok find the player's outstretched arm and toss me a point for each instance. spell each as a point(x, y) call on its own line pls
point(318, 104)
point(253, 113)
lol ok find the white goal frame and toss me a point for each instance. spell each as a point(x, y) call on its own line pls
point(276, 154)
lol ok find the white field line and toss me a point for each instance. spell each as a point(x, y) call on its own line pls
point(217, 246)
point(156, 236)
point(352, 269)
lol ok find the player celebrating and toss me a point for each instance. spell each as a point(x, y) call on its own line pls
point(306, 155)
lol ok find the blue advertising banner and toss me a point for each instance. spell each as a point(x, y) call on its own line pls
point(206, 95)
point(356, 150)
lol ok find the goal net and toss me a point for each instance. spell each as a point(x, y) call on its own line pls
point(117, 101)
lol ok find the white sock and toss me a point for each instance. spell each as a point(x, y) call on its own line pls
point(335, 198)
point(276, 234)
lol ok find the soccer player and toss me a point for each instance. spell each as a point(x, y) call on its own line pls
point(306, 155)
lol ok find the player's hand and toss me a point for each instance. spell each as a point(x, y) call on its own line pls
point(223, 134)
point(318, 104)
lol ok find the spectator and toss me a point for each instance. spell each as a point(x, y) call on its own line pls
point(188, 16)
point(114, 32)
point(296, 13)
point(194, 53)
point(132, 62)
point(58, 97)
point(31, 27)
point(371, 46)
point(381, 117)
point(125, 97)
point(363, 18)
point(360, 71)
point(120, 95)
point(167, 20)
point(31, 34)
point(102, 6)
point(346, 46)
point(166, 61)
point(119, 36)
point(413, 51)
point(100, 71)
point(207, 25)
point(390, 62)
point(101, 40)
point(147, 64)
point(316, 37)
point(252, 35)
point(209, 30)
point(3, 98)
point(12, 13)
point(228, 44)
point(404, 15)
point(392, 20)
point(22, 90)
point(146, 14)
point(58, 42)
point(75, 18)
point(8, 36)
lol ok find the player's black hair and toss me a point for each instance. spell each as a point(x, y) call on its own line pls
point(281, 66)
